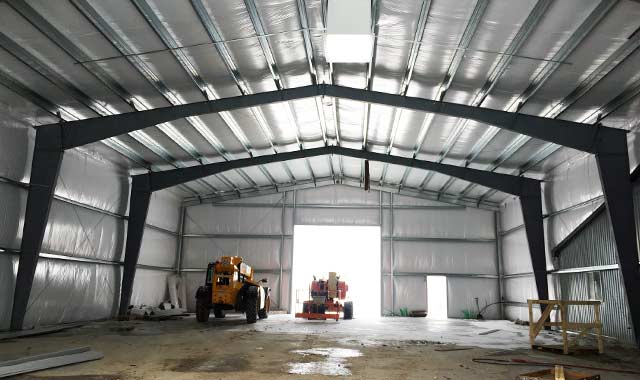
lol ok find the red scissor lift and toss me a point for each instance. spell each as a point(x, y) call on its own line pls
point(327, 300)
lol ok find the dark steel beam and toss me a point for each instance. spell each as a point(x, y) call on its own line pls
point(571, 134)
point(502, 182)
point(531, 203)
point(45, 168)
point(138, 209)
point(526, 188)
point(613, 166)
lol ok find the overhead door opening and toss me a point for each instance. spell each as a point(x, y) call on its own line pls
point(353, 252)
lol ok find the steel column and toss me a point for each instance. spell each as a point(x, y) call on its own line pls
point(45, 168)
point(531, 202)
point(138, 208)
point(496, 215)
point(613, 166)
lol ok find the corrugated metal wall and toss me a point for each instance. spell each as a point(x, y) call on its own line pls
point(79, 272)
point(595, 246)
point(419, 237)
point(572, 193)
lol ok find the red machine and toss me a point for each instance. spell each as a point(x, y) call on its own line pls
point(327, 300)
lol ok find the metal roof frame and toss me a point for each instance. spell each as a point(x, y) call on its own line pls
point(143, 185)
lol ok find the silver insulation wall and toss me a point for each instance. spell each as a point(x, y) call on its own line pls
point(79, 271)
point(572, 193)
point(419, 237)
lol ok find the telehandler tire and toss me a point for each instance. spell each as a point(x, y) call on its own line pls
point(218, 312)
point(264, 312)
point(348, 310)
point(251, 305)
point(202, 306)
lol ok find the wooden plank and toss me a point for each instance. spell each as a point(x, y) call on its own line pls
point(565, 340)
point(598, 328)
point(542, 321)
point(532, 337)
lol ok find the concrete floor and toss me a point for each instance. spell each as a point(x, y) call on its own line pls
point(282, 347)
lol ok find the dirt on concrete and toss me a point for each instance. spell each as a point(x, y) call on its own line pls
point(230, 349)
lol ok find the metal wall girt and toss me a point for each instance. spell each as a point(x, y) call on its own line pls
point(45, 168)
point(575, 135)
point(138, 209)
point(510, 184)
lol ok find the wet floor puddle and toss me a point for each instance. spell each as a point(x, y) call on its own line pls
point(333, 363)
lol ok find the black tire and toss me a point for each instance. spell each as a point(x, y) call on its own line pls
point(251, 305)
point(218, 312)
point(264, 312)
point(203, 304)
point(348, 310)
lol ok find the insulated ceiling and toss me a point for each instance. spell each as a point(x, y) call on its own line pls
point(572, 59)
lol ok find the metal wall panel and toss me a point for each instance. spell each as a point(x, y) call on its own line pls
point(572, 193)
point(16, 145)
point(328, 217)
point(149, 287)
point(614, 312)
point(13, 201)
point(164, 210)
point(66, 291)
point(77, 231)
point(337, 195)
point(88, 179)
point(445, 257)
point(158, 249)
point(595, 245)
point(462, 292)
point(210, 219)
point(8, 270)
point(261, 254)
point(86, 221)
point(453, 223)
point(515, 257)
point(429, 238)
point(409, 292)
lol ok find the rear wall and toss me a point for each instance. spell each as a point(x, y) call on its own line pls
point(419, 237)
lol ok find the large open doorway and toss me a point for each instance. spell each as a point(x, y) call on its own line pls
point(351, 251)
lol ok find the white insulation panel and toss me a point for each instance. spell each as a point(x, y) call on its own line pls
point(450, 223)
point(13, 202)
point(260, 253)
point(443, 257)
point(86, 221)
point(209, 219)
point(66, 291)
point(462, 292)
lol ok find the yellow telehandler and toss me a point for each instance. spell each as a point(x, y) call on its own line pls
point(229, 285)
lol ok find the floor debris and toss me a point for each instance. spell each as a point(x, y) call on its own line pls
point(38, 331)
point(488, 332)
point(49, 360)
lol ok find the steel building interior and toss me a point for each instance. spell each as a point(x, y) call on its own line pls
point(488, 143)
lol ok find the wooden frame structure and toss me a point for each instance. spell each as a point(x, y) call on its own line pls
point(564, 324)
